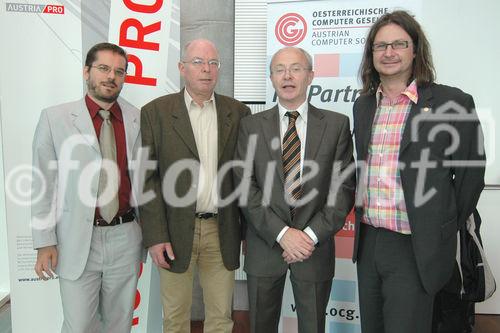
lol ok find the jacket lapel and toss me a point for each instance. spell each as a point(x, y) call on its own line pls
point(315, 130)
point(84, 125)
point(423, 108)
point(314, 133)
point(224, 124)
point(131, 124)
point(366, 120)
point(182, 124)
point(271, 130)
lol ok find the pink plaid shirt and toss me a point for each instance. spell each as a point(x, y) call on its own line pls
point(383, 201)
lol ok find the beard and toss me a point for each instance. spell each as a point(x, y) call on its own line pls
point(99, 92)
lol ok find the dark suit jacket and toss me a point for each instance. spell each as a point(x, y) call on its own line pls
point(434, 223)
point(166, 130)
point(328, 141)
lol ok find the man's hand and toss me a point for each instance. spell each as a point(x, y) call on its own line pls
point(297, 244)
point(288, 258)
point(46, 262)
point(157, 253)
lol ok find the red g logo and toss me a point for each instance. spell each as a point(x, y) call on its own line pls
point(290, 29)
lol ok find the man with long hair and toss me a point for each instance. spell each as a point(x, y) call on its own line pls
point(419, 150)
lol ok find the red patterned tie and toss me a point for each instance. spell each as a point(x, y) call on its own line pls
point(291, 162)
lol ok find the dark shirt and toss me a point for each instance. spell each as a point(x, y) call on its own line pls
point(121, 150)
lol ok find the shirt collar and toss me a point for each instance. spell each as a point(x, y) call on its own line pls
point(94, 108)
point(411, 92)
point(189, 100)
point(302, 110)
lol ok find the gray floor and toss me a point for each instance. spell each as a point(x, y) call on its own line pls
point(5, 324)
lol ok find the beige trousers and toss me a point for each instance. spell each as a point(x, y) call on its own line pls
point(216, 281)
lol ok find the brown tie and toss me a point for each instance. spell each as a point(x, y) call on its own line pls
point(108, 207)
point(291, 162)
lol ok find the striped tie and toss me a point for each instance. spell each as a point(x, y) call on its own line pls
point(291, 162)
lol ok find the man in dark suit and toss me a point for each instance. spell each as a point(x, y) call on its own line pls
point(194, 132)
point(419, 148)
point(299, 195)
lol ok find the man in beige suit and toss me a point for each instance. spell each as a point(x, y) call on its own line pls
point(193, 131)
point(94, 248)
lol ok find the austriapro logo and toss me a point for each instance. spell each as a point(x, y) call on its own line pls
point(34, 8)
point(291, 29)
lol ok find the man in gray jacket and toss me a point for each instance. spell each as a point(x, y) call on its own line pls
point(84, 225)
point(299, 194)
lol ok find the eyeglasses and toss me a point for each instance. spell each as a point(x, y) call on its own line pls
point(396, 45)
point(105, 69)
point(294, 70)
point(198, 63)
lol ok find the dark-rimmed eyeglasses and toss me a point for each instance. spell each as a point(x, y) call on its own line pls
point(396, 45)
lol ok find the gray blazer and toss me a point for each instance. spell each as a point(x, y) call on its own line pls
point(65, 134)
point(328, 141)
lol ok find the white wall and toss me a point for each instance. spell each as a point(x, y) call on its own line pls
point(4, 256)
point(464, 38)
